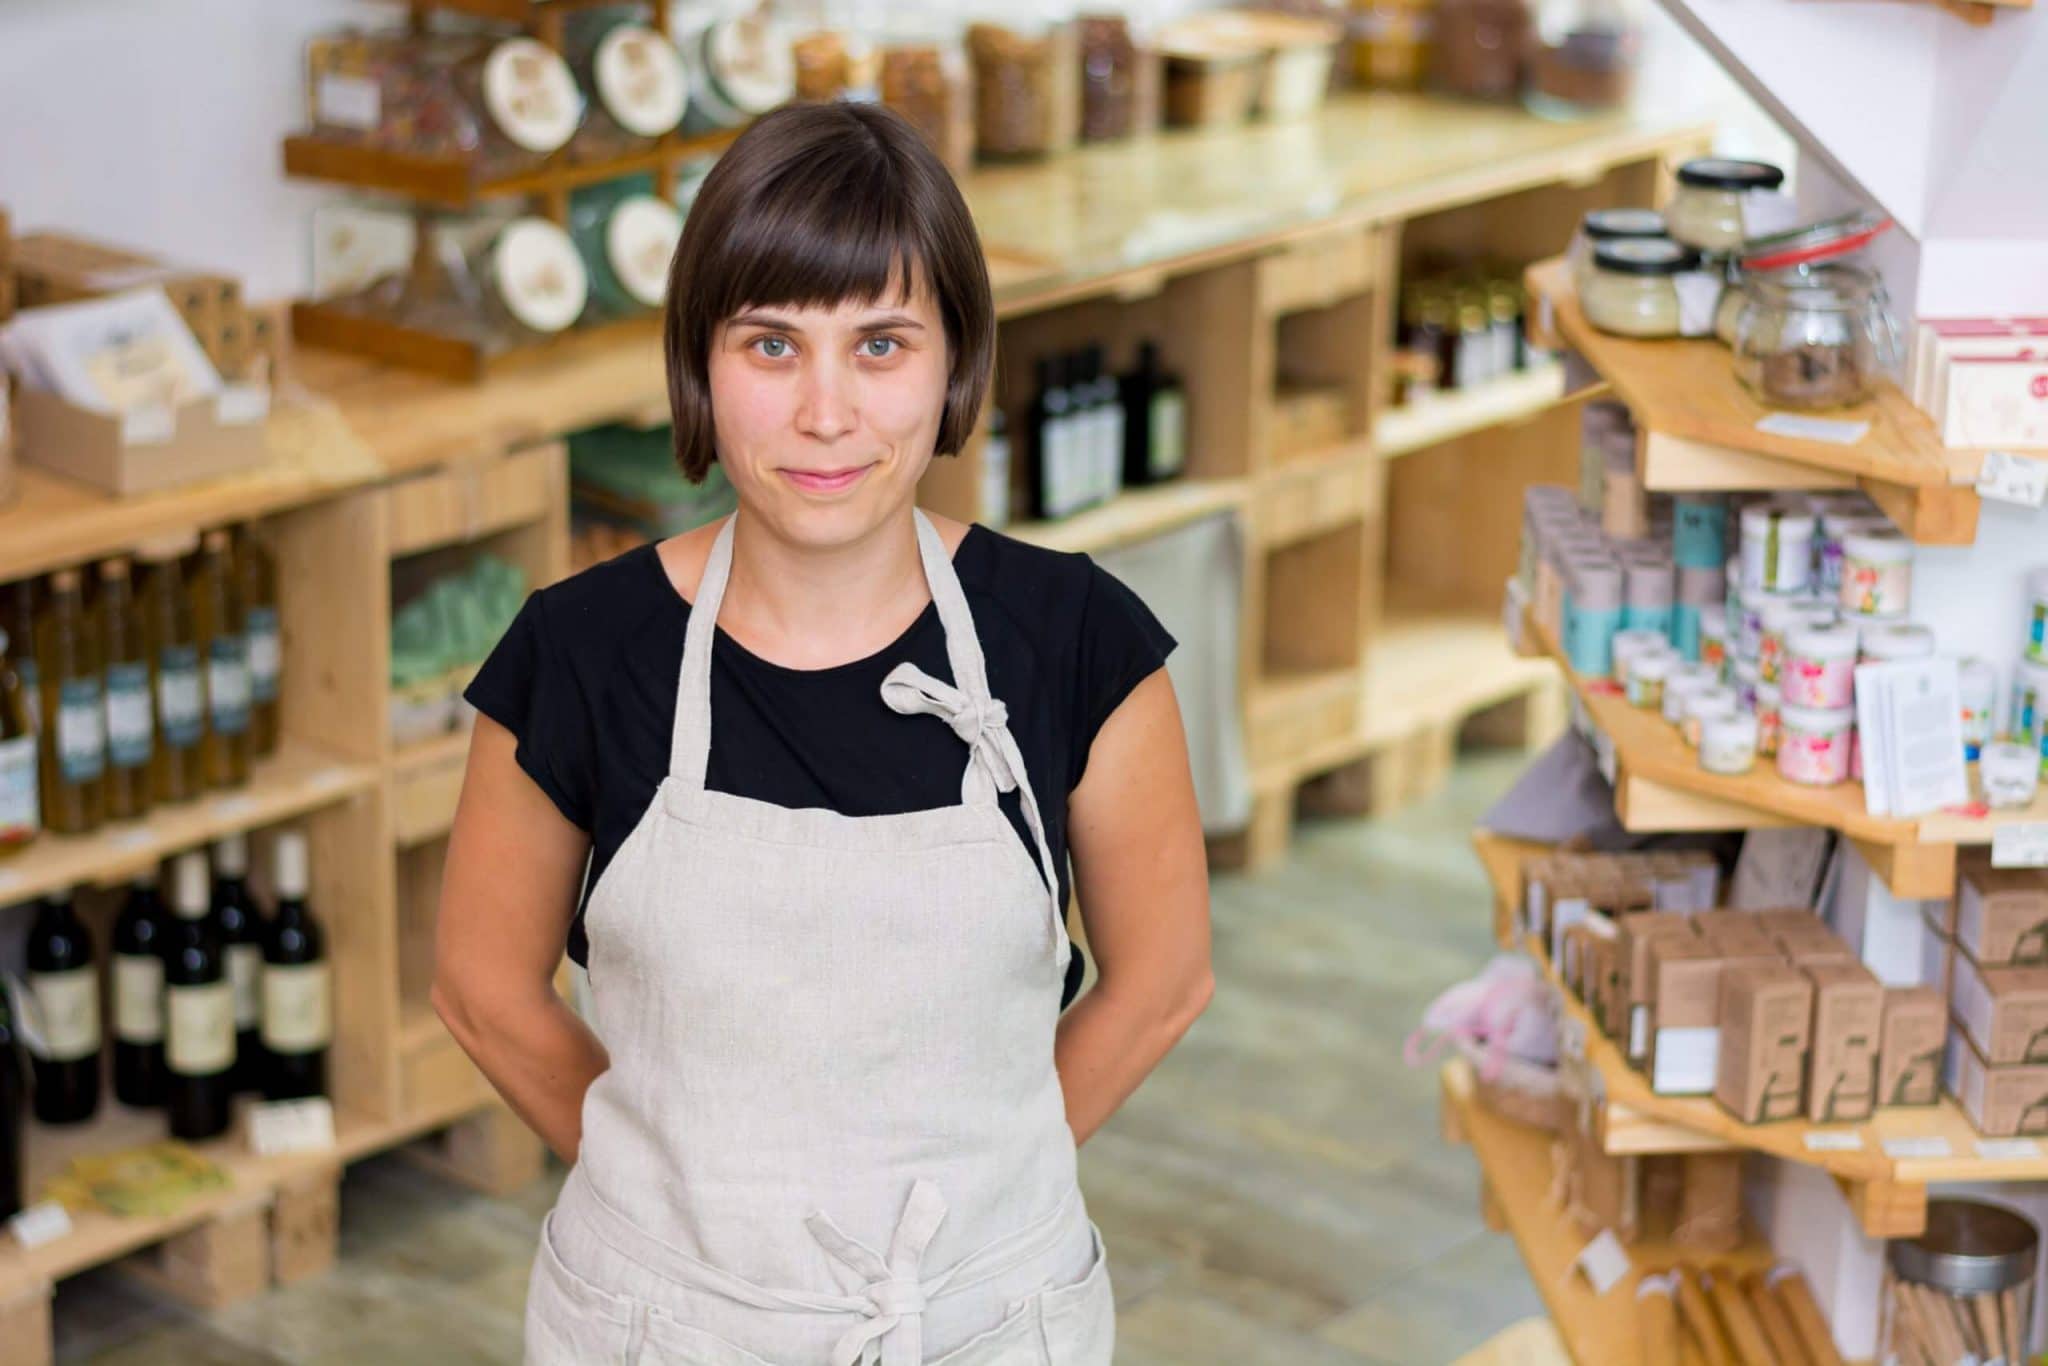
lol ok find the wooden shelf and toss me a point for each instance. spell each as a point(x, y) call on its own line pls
point(297, 779)
point(1697, 427)
point(1437, 668)
point(1599, 1330)
point(1443, 417)
point(451, 182)
point(1135, 515)
point(454, 358)
point(1887, 1191)
point(524, 13)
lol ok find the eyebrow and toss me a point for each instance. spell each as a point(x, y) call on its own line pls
point(892, 322)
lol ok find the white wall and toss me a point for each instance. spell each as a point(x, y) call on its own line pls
point(159, 122)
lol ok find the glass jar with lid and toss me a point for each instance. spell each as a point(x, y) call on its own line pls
point(1816, 338)
point(1390, 42)
point(1609, 225)
point(1122, 70)
point(1632, 290)
point(506, 104)
point(923, 74)
point(829, 49)
point(626, 238)
point(638, 86)
point(1583, 60)
point(498, 281)
point(1479, 48)
point(740, 68)
point(1027, 78)
point(1835, 239)
point(1721, 202)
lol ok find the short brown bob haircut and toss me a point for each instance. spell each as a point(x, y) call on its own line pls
point(819, 205)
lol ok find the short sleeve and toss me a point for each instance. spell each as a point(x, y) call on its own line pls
point(1121, 644)
point(526, 687)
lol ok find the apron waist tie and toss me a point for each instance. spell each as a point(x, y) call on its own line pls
point(893, 1299)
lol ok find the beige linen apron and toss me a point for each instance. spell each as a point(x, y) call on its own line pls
point(832, 1132)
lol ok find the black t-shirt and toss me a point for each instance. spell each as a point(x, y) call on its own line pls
point(586, 679)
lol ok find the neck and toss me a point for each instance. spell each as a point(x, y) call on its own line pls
point(809, 607)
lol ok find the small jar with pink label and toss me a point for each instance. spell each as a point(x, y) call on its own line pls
point(1770, 724)
point(1813, 748)
point(1877, 574)
point(1819, 668)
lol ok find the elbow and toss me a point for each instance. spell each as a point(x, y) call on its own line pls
point(452, 1005)
point(1194, 1000)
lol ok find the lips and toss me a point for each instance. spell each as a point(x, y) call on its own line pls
point(826, 481)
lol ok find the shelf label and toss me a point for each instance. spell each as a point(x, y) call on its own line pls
point(240, 405)
point(1830, 430)
point(1833, 1141)
point(2013, 478)
point(40, 1224)
point(9, 878)
point(2007, 1149)
point(324, 779)
point(1604, 1261)
point(1604, 753)
point(148, 424)
point(2023, 844)
point(291, 1126)
point(135, 837)
point(1933, 1145)
point(234, 808)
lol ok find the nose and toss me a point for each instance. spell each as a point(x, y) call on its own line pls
point(827, 408)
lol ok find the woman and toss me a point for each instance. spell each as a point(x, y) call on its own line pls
point(830, 1107)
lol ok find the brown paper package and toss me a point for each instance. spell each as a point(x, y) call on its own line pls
point(1909, 1054)
point(2004, 1009)
point(1766, 1013)
point(2001, 1101)
point(2001, 913)
point(1848, 1022)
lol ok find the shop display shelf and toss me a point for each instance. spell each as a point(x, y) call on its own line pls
point(1430, 669)
point(452, 182)
point(299, 778)
point(1697, 427)
point(1515, 1165)
point(1897, 1153)
point(1135, 515)
point(1437, 418)
point(317, 323)
point(525, 13)
point(426, 780)
point(1660, 786)
point(1315, 493)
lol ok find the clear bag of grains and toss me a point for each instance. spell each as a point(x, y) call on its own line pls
point(1121, 72)
point(924, 75)
point(1027, 79)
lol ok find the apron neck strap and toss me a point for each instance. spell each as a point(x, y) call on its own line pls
point(690, 749)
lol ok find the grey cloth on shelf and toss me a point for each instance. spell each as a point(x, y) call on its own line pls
point(1560, 796)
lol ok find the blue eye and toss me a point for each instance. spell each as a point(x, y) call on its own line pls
point(779, 345)
point(872, 342)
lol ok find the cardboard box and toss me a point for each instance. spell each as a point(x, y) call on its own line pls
point(2005, 1010)
point(1937, 952)
point(1736, 942)
point(1909, 1049)
point(1685, 1037)
point(2001, 1101)
point(55, 268)
point(1766, 1015)
point(1710, 1203)
point(1814, 946)
point(191, 444)
point(1635, 933)
point(1848, 1024)
point(2001, 913)
point(1603, 977)
point(1709, 921)
point(1602, 1191)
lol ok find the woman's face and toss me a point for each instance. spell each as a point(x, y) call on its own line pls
point(826, 417)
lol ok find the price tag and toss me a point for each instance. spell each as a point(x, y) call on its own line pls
point(233, 808)
point(39, 1224)
point(291, 1126)
point(135, 837)
point(1833, 1141)
point(2013, 478)
point(2023, 844)
point(320, 780)
point(2007, 1149)
point(1931, 1146)
point(1604, 1261)
point(1834, 432)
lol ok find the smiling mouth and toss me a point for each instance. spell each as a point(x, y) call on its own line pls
point(826, 481)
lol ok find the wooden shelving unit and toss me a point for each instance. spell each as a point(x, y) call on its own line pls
point(1698, 429)
point(1445, 417)
point(452, 182)
point(1515, 1166)
point(1660, 786)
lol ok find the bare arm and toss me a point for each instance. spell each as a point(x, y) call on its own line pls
point(1142, 878)
point(508, 893)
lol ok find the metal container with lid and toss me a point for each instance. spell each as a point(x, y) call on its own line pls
point(1962, 1290)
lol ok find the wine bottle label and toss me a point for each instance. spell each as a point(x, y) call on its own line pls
point(20, 811)
point(265, 653)
point(138, 998)
point(227, 685)
point(995, 481)
point(297, 1010)
point(129, 730)
point(180, 700)
point(68, 1004)
point(200, 1028)
point(1166, 455)
point(81, 731)
point(245, 973)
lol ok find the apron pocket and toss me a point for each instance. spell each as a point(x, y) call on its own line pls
point(1017, 1341)
point(1080, 1319)
point(569, 1321)
point(671, 1342)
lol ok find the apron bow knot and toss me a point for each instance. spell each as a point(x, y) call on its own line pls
point(893, 1334)
point(983, 724)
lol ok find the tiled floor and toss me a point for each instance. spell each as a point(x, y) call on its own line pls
point(1276, 1192)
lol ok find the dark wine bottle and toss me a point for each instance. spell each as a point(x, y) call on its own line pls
point(139, 935)
point(66, 985)
point(1052, 441)
point(240, 922)
point(199, 1010)
point(13, 1112)
point(297, 1001)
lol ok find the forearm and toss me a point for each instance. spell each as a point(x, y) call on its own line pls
point(1108, 1043)
point(538, 1053)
